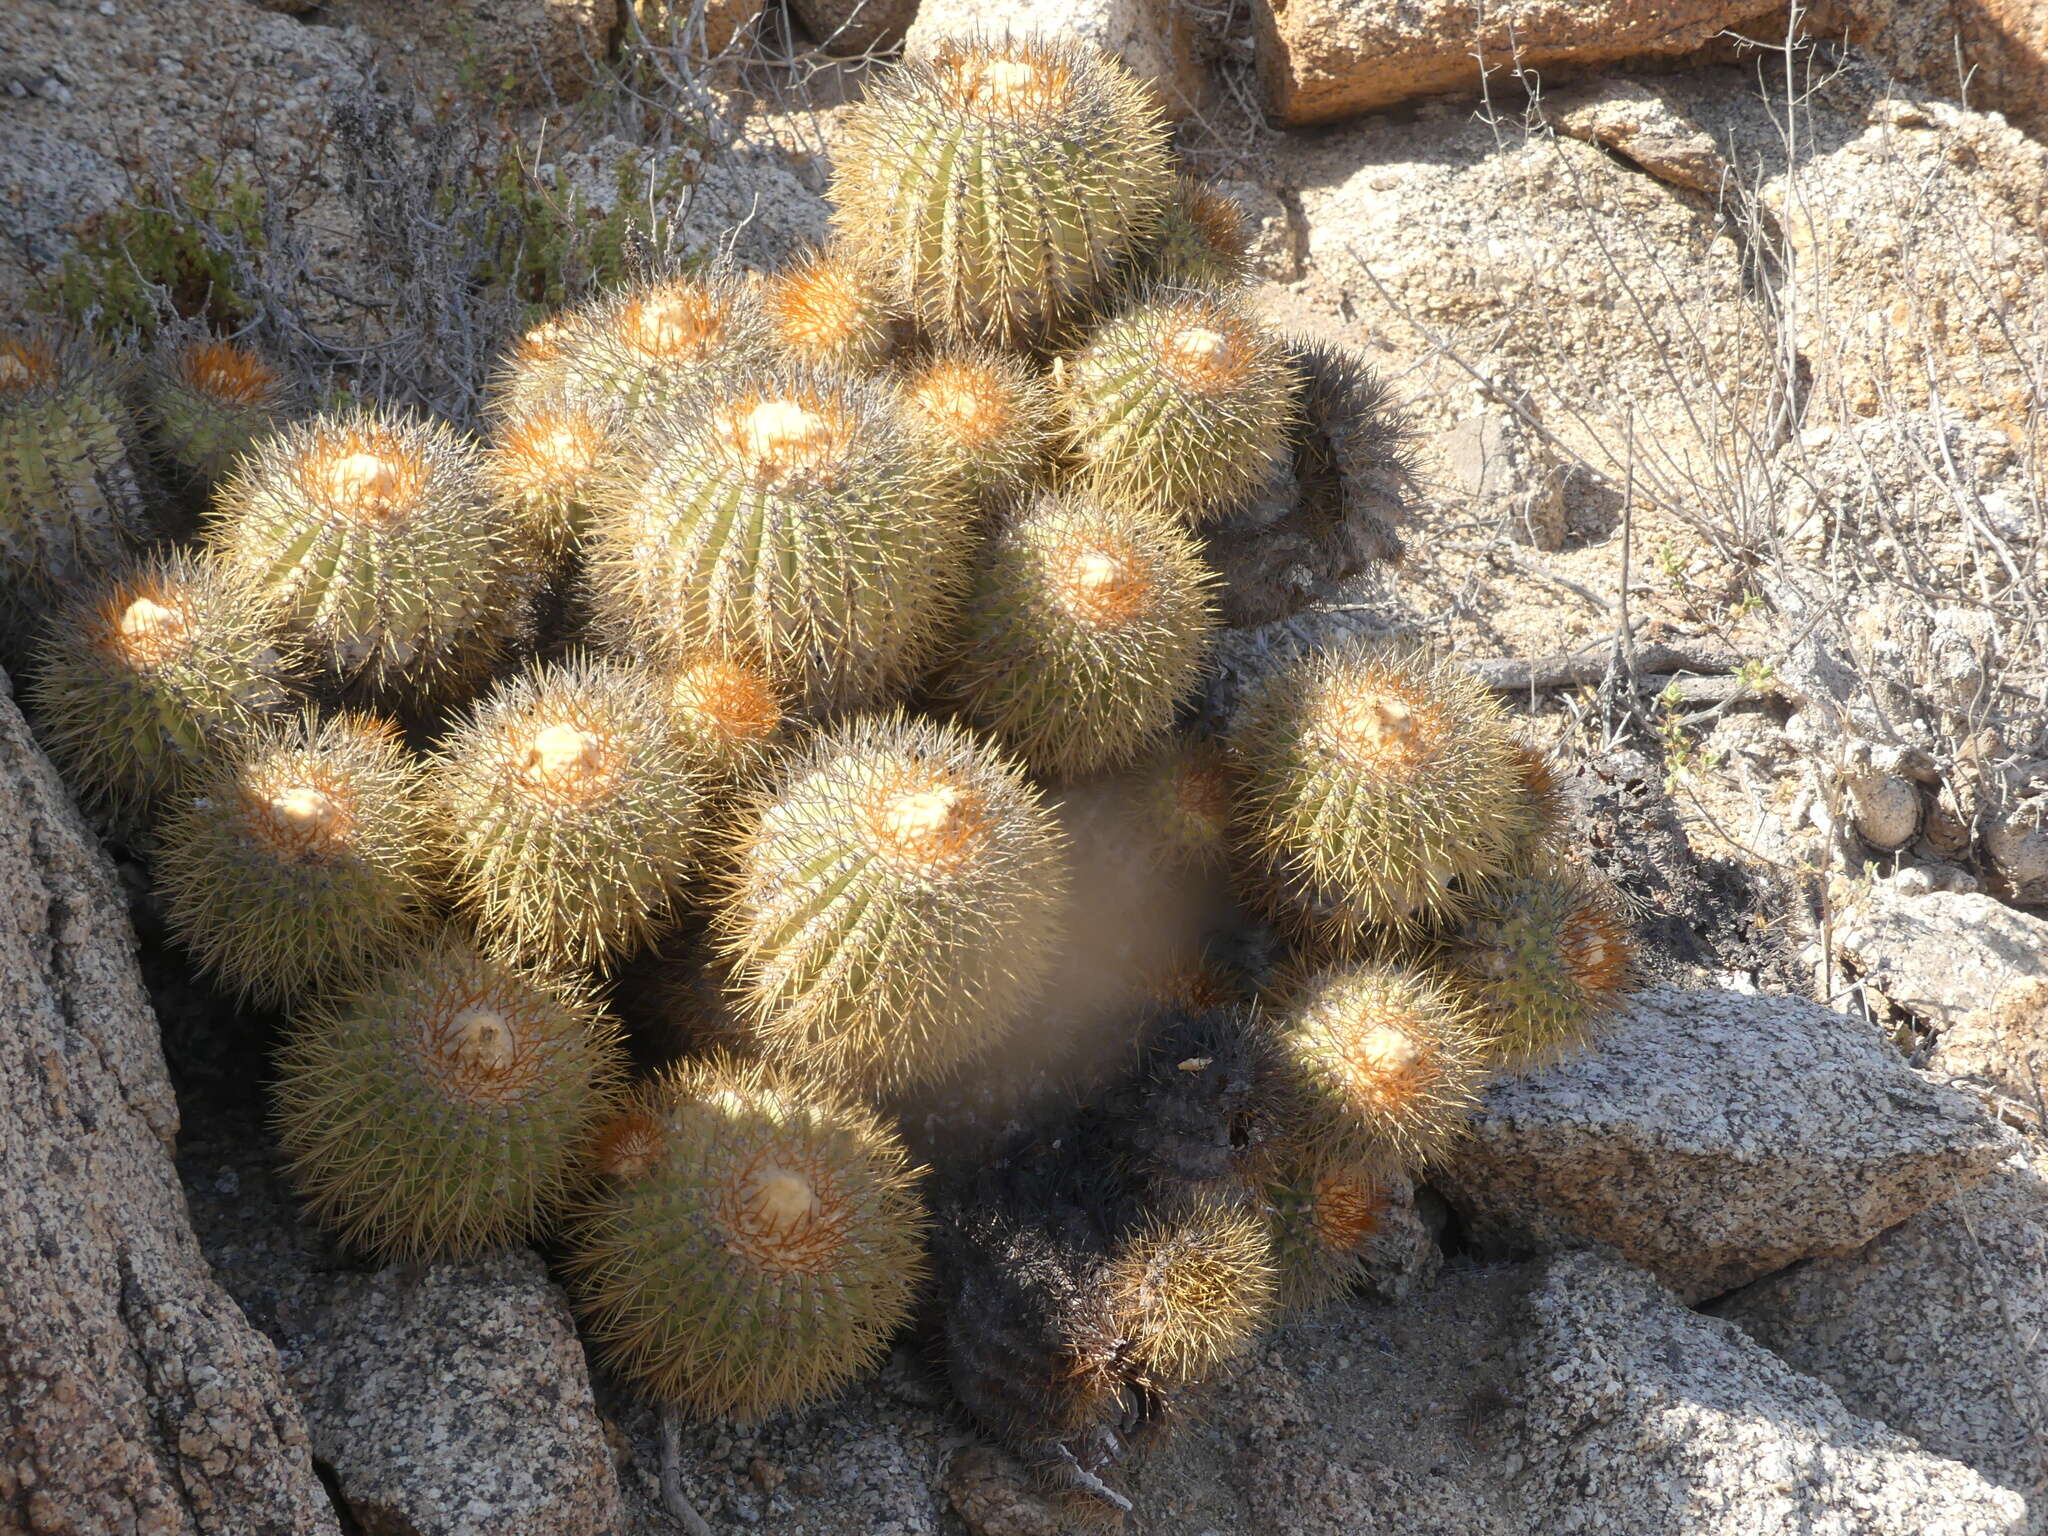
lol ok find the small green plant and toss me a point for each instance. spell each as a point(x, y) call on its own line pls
point(160, 254)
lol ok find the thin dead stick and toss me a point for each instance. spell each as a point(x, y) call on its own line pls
point(1519, 674)
point(673, 1499)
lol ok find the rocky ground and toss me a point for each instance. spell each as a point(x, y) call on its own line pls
point(1727, 365)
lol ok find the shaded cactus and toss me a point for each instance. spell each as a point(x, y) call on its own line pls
point(211, 401)
point(1201, 241)
point(374, 533)
point(1181, 802)
point(754, 1242)
point(444, 1106)
point(1087, 626)
point(996, 186)
point(301, 862)
point(1321, 1211)
point(570, 811)
point(1180, 402)
point(788, 518)
point(1544, 958)
point(151, 674)
point(1378, 787)
point(893, 903)
point(71, 506)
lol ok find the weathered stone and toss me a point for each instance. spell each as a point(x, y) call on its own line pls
point(1154, 38)
point(1995, 50)
point(850, 27)
point(1714, 1137)
point(538, 50)
point(1321, 60)
point(1942, 955)
point(2002, 1047)
point(455, 1399)
point(134, 1397)
point(723, 26)
point(1641, 1418)
point(1508, 471)
point(1644, 125)
point(1934, 1328)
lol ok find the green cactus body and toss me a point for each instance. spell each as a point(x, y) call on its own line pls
point(152, 675)
point(754, 1243)
point(790, 519)
point(652, 346)
point(375, 534)
point(829, 311)
point(1378, 1060)
point(893, 905)
point(1320, 1212)
point(1544, 958)
point(997, 186)
point(298, 865)
point(1088, 624)
point(71, 506)
point(1180, 402)
point(210, 402)
point(987, 416)
point(1377, 787)
point(1201, 240)
point(570, 811)
point(444, 1106)
point(1181, 799)
point(542, 464)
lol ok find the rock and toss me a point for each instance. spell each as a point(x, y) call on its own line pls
point(447, 1398)
point(2000, 47)
point(1884, 809)
point(1640, 1418)
point(1155, 38)
point(1509, 472)
point(725, 26)
point(1402, 1257)
point(752, 202)
point(133, 1395)
point(2016, 833)
point(1942, 955)
point(1645, 126)
point(1714, 1137)
point(2002, 1047)
point(1934, 1328)
point(1865, 254)
point(856, 26)
point(1321, 60)
point(993, 1495)
point(455, 1398)
point(539, 50)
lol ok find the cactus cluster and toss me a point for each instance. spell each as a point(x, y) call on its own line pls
point(758, 631)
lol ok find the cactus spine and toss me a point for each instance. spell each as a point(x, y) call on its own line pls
point(210, 401)
point(754, 1243)
point(893, 903)
point(374, 533)
point(788, 518)
point(71, 506)
point(1201, 241)
point(301, 861)
point(1544, 958)
point(570, 812)
point(542, 463)
point(1190, 1290)
point(987, 416)
point(726, 714)
point(996, 186)
point(1180, 402)
point(829, 311)
point(1379, 1060)
point(1088, 624)
point(442, 1108)
point(1321, 1211)
point(1379, 786)
point(145, 679)
point(650, 347)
